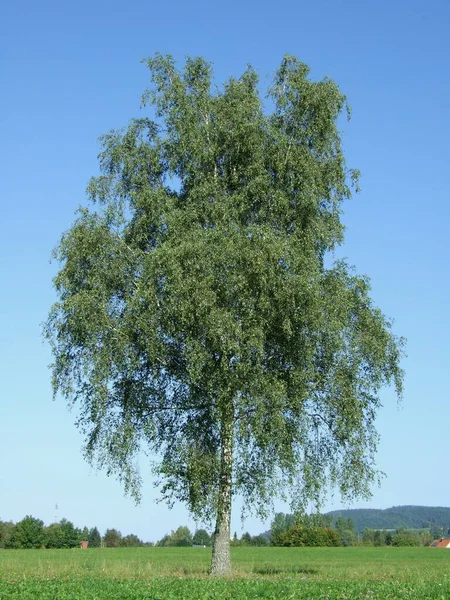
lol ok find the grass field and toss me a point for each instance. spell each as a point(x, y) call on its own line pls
point(182, 574)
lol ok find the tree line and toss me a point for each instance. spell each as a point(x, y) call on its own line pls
point(31, 532)
point(306, 530)
point(286, 530)
point(320, 530)
point(182, 536)
point(397, 537)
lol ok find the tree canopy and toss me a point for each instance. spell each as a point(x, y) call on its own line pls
point(199, 313)
point(27, 533)
point(182, 536)
point(201, 538)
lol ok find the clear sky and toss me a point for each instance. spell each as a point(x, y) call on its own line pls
point(71, 71)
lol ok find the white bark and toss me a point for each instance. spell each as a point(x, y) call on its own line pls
point(221, 562)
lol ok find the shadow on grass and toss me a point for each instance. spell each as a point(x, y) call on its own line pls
point(288, 570)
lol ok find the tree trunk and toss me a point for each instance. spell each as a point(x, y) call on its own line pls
point(221, 563)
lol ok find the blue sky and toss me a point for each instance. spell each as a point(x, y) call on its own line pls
point(70, 73)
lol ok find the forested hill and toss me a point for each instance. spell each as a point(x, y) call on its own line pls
point(397, 516)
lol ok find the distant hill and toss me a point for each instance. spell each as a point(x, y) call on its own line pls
point(414, 517)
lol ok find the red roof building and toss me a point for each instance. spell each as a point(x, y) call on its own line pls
point(441, 543)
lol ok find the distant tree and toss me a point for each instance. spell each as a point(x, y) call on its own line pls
point(368, 537)
point(94, 538)
point(61, 535)
point(437, 531)
point(181, 537)
point(297, 535)
point(163, 541)
point(131, 541)
point(425, 538)
point(379, 538)
point(314, 520)
point(402, 537)
point(53, 536)
point(280, 524)
point(246, 539)
point(27, 533)
point(6, 528)
point(235, 541)
point(283, 522)
point(259, 540)
point(84, 534)
point(201, 538)
point(347, 537)
point(346, 531)
point(71, 534)
point(343, 524)
point(112, 538)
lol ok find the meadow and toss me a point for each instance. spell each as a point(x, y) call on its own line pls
point(182, 574)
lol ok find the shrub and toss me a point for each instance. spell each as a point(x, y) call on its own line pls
point(307, 536)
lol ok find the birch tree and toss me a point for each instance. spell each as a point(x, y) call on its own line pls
point(201, 316)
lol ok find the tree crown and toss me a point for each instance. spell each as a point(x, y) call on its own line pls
point(196, 292)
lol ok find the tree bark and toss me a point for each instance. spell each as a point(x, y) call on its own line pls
point(221, 563)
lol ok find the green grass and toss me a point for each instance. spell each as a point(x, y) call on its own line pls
point(182, 574)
